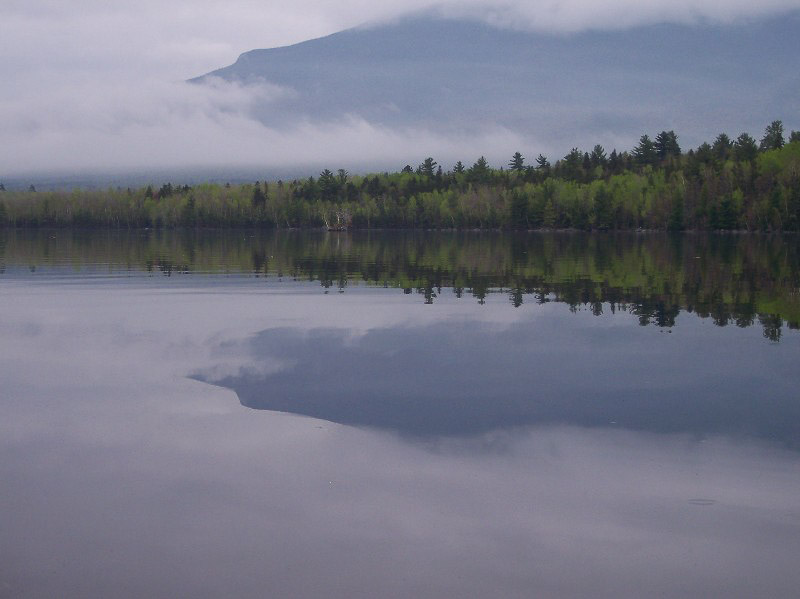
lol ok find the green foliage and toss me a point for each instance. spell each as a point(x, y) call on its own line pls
point(428, 166)
point(745, 148)
point(722, 147)
point(517, 162)
point(542, 163)
point(666, 145)
point(645, 153)
point(740, 279)
point(727, 185)
point(773, 136)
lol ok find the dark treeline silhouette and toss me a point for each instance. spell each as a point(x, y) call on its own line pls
point(730, 184)
point(733, 279)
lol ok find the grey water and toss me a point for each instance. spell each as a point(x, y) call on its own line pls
point(306, 414)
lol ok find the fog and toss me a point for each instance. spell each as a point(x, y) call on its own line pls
point(118, 125)
point(91, 86)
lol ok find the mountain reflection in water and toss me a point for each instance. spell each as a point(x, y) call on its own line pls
point(463, 377)
point(497, 450)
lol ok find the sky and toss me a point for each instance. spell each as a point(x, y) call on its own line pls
point(94, 85)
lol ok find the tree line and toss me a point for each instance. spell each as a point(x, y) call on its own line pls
point(735, 280)
point(729, 184)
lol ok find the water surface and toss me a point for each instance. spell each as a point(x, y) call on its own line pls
point(286, 414)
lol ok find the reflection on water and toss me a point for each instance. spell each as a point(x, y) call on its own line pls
point(463, 377)
point(732, 279)
point(535, 442)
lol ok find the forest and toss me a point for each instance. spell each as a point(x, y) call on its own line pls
point(736, 280)
point(729, 184)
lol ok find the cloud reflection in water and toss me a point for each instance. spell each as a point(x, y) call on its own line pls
point(121, 478)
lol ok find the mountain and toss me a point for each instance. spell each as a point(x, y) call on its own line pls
point(558, 90)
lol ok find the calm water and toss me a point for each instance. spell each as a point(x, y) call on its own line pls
point(405, 415)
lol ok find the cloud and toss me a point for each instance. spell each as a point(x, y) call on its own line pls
point(180, 39)
point(98, 126)
point(96, 85)
point(581, 15)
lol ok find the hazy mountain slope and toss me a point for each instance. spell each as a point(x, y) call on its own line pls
point(557, 90)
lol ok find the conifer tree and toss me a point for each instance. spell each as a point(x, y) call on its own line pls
point(517, 162)
point(645, 153)
point(773, 136)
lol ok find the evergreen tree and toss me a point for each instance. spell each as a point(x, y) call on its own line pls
point(794, 136)
point(542, 163)
point(704, 154)
point(645, 153)
point(480, 170)
point(571, 166)
point(519, 209)
point(428, 167)
point(258, 200)
point(517, 162)
point(458, 168)
point(722, 147)
point(598, 156)
point(165, 191)
point(602, 208)
point(675, 222)
point(327, 184)
point(773, 136)
point(614, 163)
point(744, 148)
point(666, 144)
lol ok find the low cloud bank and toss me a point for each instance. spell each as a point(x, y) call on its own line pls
point(117, 126)
point(581, 15)
point(90, 86)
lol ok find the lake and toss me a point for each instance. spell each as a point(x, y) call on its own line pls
point(398, 414)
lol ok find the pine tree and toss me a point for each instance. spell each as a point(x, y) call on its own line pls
point(645, 153)
point(519, 209)
point(598, 156)
point(602, 208)
point(773, 136)
point(666, 144)
point(259, 199)
point(542, 162)
point(428, 167)
point(480, 170)
point(745, 148)
point(722, 147)
point(517, 162)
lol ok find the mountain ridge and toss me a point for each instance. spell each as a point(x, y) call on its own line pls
point(447, 75)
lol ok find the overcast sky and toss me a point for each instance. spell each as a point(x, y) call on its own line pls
point(92, 84)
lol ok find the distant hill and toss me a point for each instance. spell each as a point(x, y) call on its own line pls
point(557, 90)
